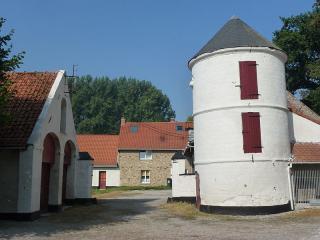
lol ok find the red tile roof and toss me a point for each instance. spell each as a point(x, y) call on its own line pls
point(102, 148)
point(306, 152)
point(30, 91)
point(301, 109)
point(153, 135)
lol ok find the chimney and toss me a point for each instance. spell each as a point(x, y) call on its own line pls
point(122, 121)
point(172, 119)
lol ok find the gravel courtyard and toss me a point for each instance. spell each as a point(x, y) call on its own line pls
point(139, 215)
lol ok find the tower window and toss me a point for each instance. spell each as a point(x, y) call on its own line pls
point(251, 132)
point(248, 80)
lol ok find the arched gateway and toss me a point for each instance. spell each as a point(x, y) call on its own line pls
point(49, 155)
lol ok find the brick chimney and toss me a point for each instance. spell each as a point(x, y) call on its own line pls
point(122, 121)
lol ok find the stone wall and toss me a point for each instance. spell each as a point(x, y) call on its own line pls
point(131, 167)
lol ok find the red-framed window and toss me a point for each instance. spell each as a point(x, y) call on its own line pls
point(251, 132)
point(248, 80)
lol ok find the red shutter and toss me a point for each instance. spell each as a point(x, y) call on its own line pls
point(248, 80)
point(251, 132)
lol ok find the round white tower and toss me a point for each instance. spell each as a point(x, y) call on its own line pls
point(242, 145)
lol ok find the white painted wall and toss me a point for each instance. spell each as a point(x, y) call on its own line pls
point(84, 176)
point(302, 129)
point(182, 185)
point(228, 176)
point(113, 176)
point(31, 159)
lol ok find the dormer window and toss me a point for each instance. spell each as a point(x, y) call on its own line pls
point(179, 128)
point(134, 129)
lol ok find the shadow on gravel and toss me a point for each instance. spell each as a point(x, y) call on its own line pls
point(78, 218)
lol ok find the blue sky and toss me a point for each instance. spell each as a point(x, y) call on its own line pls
point(146, 39)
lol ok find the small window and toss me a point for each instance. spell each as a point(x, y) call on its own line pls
point(248, 80)
point(179, 128)
point(251, 132)
point(134, 129)
point(145, 176)
point(145, 155)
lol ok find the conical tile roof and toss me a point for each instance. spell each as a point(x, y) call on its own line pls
point(235, 33)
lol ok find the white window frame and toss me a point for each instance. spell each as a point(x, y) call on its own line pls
point(145, 155)
point(145, 176)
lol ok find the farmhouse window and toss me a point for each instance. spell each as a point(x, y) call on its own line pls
point(145, 176)
point(251, 132)
point(248, 80)
point(145, 155)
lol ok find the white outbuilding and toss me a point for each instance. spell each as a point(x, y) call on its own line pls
point(241, 129)
point(39, 158)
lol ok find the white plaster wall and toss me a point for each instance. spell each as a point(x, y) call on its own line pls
point(216, 79)
point(244, 184)
point(31, 159)
point(178, 167)
point(84, 174)
point(302, 129)
point(113, 176)
point(218, 129)
point(182, 185)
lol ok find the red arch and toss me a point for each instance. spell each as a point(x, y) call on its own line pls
point(49, 150)
point(49, 153)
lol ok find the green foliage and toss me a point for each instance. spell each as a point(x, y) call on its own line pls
point(98, 104)
point(313, 100)
point(299, 38)
point(190, 119)
point(7, 63)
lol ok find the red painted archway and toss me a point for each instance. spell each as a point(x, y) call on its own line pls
point(48, 159)
point(66, 163)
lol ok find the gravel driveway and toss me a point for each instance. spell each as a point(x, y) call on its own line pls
point(136, 215)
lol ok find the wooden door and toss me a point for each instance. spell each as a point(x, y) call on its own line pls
point(45, 180)
point(102, 179)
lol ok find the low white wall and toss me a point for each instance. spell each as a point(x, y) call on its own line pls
point(303, 130)
point(84, 173)
point(113, 176)
point(182, 185)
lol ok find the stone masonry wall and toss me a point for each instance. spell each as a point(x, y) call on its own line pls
point(131, 167)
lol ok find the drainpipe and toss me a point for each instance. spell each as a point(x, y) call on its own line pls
point(291, 187)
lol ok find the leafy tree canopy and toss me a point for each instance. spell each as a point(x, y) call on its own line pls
point(7, 63)
point(98, 104)
point(299, 38)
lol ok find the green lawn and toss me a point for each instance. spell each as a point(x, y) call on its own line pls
point(127, 188)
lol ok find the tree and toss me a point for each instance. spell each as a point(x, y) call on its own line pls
point(190, 118)
point(98, 104)
point(7, 63)
point(299, 38)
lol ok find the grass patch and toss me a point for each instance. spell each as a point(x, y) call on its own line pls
point(183, 210)
point(96, 191)
point(303, 213)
